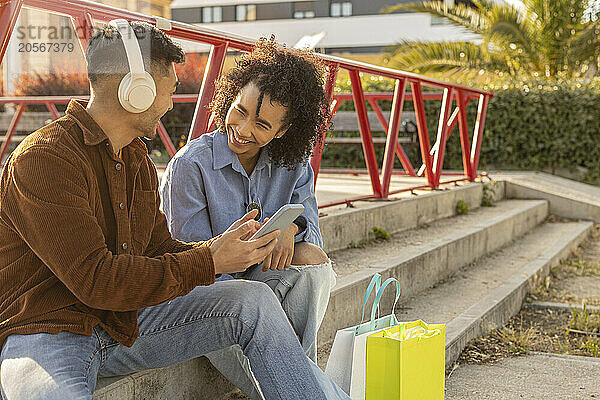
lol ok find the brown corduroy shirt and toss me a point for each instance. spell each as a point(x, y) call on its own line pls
point(82, 239)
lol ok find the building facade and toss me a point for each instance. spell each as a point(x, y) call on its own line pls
point(350, 27)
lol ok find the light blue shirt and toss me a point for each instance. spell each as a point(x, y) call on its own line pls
point(205, 189)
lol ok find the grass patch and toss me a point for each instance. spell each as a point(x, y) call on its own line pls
point(532, 330)
point(575, 266)
point(584, 320)
point(380, 234)
point(376, 235)
point(489, 191)
point(519, 341)
point(461, 207)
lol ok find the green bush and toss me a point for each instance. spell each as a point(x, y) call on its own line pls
point(546, 127)
point(462, 207)
point(528, 127)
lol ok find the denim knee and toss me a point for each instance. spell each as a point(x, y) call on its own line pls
point(321, 276)
point(23, 378)
point(256, 295)
point(255, 292)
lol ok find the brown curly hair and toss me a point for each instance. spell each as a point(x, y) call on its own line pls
point(295, 79)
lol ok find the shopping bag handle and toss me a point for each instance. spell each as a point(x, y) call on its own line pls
point(375, 283)
point(378, 299)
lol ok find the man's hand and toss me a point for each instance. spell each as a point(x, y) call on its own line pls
point(249, 217)
point(232, 252)
point(282, 254)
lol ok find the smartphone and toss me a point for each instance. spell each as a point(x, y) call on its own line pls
point(280, 220)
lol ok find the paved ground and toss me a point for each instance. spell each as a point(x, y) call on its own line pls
point(538, 376)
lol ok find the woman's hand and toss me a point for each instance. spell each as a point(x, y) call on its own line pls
point(282, 254)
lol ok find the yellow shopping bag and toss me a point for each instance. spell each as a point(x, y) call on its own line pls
point(406, 362)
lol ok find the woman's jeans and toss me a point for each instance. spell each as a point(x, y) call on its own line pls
point(65, 366)
point(303, 292)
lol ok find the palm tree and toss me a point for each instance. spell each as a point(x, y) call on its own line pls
point(551, 38)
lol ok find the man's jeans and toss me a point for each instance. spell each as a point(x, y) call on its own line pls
point(65, 366)
point(304, 294)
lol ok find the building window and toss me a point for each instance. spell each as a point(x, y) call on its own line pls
point(304, 9)
point(245, 12)
point(304, 14)
point(341, 9)
point(187, 15)
point(212, 14)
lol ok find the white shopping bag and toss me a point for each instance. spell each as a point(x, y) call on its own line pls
point(347, 361)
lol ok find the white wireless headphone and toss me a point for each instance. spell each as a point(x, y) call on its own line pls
point(137, 89)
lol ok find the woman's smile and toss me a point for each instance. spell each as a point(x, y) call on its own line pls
point(236, 139)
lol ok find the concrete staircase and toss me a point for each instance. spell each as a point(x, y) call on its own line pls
point(470, 271)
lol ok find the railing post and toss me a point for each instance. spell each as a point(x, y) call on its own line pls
point(392, 138)
point(9, 13)
point(317, 155)
point(11, 131)
point(464, 135)
point(422, 130)
point(166, 139)
point(375, 106)
point(365, 131)
point(399, 150)
point(442, 135)
point(52, 108)
point(207, 91)
point(478, 134)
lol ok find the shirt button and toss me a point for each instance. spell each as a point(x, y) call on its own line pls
point(118, 166)
point(124, 246)
point(121, 206)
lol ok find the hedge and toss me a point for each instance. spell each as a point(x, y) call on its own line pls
point(528, 127)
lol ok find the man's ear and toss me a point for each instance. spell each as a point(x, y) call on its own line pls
point(282, 132)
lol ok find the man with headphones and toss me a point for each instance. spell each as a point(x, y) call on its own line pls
point(91, 282)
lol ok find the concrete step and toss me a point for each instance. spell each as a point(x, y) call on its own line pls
point(421, 258)
point(342, 225)
point(487, 293)
point(567, 198)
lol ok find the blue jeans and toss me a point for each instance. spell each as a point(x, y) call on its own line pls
point(65, 365)
point(303, 292)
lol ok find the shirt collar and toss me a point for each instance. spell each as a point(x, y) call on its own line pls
point(223, 156)
point(93, 133)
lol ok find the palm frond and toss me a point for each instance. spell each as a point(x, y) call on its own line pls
point(586, 45)
point(556, 24)
point(538, 36)
point(471, 18)
point(508, 28)
point(424, 57)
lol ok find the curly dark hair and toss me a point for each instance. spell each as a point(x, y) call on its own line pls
point(107, 59)
point(295, 79)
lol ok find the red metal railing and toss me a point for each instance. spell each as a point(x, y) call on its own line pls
point(84, 13)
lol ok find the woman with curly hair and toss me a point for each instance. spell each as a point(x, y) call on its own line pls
point(270, 110)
